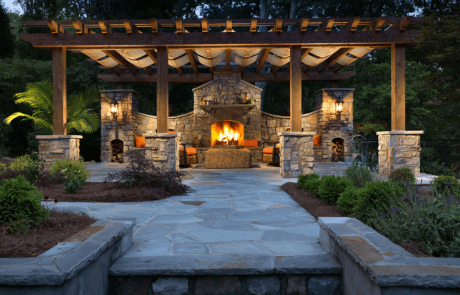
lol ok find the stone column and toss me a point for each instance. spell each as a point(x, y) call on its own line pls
point(59, 147)
point(399, 149)
point(296, 153)
point(163, 150)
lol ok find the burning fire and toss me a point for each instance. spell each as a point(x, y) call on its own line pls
point(229, 133)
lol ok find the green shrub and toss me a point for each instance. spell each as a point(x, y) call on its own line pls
point(21, 162)
point(359, 175)
point(331, 187)
point(348, 200)
point(21, 200)
point(446, 185)
point(67, 167)
point(29, 166)
point(375, 195)
point(2, 168)
point(434, 223)
point(309, 183)
point(403, 177)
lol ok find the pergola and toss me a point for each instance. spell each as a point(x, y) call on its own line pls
point(144, 51)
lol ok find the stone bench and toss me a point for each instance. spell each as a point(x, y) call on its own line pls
point(223, 157)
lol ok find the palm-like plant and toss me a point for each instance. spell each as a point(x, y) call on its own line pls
point(39, 96)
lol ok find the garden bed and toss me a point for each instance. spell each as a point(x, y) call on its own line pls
point(60, 227)
point(318, 208)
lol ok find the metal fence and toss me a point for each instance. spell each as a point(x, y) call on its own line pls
point(443, 150)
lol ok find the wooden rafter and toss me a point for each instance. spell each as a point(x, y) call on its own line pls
point(54, 27)
point(152, 54)
point(275, 69)
point(352, 25)
point(78, 26)
point(327, 25)
point(191, 57)
point(279, 25)
point(253, 27)
point(333, 58)
point(229, 26)
point(305, 52)
point(206, 77)
point(120, 59)
point(303, 24)
point(263, 56)
point(204, 25)
point(179, 26)
point(154, 25)
point(105, 27)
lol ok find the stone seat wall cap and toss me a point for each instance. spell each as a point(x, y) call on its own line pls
point(59, 136)
point(335, 89)
point(119, 90)
point(401, 132)
point(159, 135)
point(296, 133)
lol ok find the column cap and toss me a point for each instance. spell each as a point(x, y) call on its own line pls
point(401, 132)
point(296, 133)
point(59, 136)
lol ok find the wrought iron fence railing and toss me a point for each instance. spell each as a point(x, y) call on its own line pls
point(366, 151)
point(444, 150)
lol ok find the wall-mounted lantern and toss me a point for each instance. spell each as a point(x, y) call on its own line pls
point(114, 110)
point(338, 107)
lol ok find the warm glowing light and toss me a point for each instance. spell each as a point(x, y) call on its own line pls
point(229, 134)
point(338, 106)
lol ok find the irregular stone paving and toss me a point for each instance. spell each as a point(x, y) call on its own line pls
point(232, 217)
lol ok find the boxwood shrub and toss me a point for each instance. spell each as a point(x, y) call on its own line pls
point(331, 187)
point(309, 183)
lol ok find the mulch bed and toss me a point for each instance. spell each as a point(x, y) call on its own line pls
point(63, 225)
point(318, 208)
point(60, 227)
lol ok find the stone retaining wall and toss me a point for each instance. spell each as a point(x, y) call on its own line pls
point(296, 153)
point(58, 147)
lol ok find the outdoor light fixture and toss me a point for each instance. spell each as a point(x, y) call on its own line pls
point(338, 107)
point(114, 110)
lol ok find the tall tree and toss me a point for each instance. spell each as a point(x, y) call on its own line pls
point(7, 43)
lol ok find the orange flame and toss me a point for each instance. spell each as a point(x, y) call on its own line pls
point(228, 134)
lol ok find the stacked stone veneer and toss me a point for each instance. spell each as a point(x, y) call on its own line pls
point(227, 89)
point(226, 157)
point(296, 153)
point(163, 150)
point(328, 125)
point(58, 147)
point(399, 149)
point(123, 128)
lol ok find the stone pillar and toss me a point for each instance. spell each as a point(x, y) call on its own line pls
point(163, 150)
point(296, 153)
point(399, 149)
point(59, 147)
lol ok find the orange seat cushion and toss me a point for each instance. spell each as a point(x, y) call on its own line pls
point(268, 150)
point(317, 140)
point(190, 151)
point(140, 141)
point(171, 131)
point(250, 143)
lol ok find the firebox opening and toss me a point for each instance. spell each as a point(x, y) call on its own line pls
point(116, 146)
point(337, 148)
point(227, 133)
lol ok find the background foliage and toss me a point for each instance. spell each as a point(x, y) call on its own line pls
point(432, 73)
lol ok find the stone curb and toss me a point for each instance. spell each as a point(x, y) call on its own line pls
point(383, 262)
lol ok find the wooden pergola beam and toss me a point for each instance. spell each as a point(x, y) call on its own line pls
point(219, 40)
point(152, 54)
point(59, 92)
point(120, 59)
point(333, 58)
point(105, 27)
point(352, 25)
point(206, 77)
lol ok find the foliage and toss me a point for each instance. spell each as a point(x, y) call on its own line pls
point(359, 175)
point(366, 154)
point(331, 187)
point(29, 166)
point(446, 185)
point(309, 183)
point(21, 200)
point(374, 195)
point(433, 223)
point(70, 169)
point(39, 96)
point(7, 44)
point(3, 168)
point(348, 199)
point(370, 128)
point(72, 183)
point(430, 165)
point(403, 177)
point(142, 172)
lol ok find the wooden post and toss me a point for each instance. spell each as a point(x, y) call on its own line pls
point(296, 88)
point(162, 90)
point(398, 88)
point(59, 92)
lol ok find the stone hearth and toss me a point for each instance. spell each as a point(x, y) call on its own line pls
point(225, 157)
